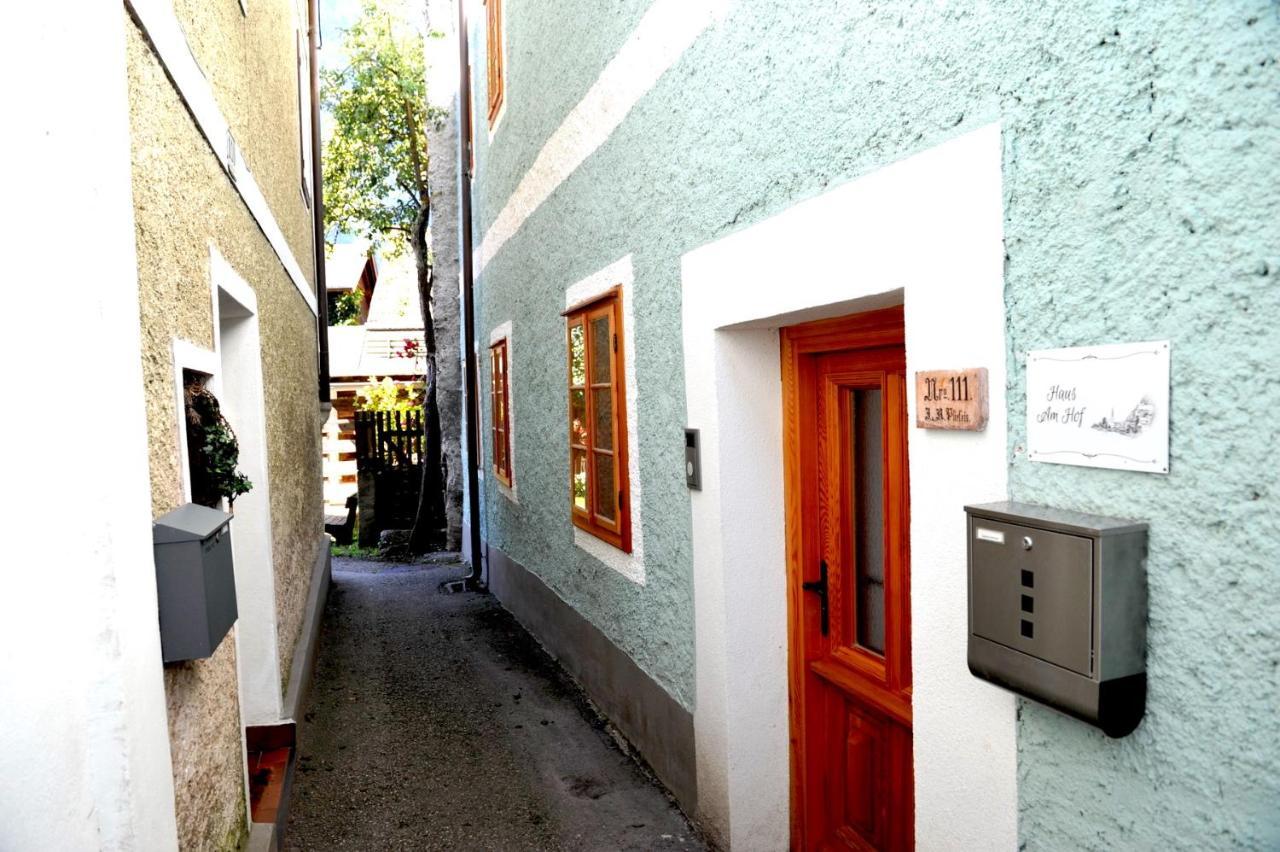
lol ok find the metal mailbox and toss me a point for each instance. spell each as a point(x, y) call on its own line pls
point(1058, 609)
point(195, 581)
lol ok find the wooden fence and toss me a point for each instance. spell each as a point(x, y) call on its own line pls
point(388, 439)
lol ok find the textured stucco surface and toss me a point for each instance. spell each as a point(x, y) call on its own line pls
point(182, 202)
point(251, 62)
point(1140, 150)
point(1141, 205)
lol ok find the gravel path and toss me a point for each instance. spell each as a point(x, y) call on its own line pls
point(436, 722)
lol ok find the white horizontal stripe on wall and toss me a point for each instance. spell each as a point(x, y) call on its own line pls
point(665, 32)
point(161, 27)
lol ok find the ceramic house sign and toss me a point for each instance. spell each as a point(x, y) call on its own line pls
point(1100, 406)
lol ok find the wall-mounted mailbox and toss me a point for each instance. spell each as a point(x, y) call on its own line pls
point(1058, 609)
point(195, 582)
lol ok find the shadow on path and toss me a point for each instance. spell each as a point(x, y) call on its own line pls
point(436, 722)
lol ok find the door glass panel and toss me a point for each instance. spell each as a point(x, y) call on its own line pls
point(868, 516)
point(605, 488)
point(601, 344)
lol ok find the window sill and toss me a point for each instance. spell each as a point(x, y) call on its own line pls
point(629, 565)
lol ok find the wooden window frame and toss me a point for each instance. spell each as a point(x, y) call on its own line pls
point(618, 531)
point(500, 409)
point(494, 55)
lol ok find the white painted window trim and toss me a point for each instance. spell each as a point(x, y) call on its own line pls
point(630, 565)
point(506, 78)
point(304, 115)
point(511, 492)
point(161, 26)
point(189, 356)
point(926, 231)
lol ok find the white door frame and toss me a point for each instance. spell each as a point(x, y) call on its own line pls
point(928, 232)
point(238, 344)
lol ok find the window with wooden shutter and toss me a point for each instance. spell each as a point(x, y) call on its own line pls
point(500, 409)
point(497, 71)
point(600, 502)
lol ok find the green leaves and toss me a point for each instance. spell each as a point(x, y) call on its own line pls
point(213, 449)
point(375, 159)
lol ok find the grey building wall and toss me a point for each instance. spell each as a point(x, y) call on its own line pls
point(1141, 145)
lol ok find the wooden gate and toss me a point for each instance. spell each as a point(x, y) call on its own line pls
point(389, 447)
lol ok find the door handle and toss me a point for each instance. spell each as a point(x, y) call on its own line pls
point(819, 587)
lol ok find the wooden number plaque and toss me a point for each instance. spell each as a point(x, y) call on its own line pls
point(952, 399)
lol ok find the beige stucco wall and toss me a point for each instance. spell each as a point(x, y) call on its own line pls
point(183, 201)
point(251, 61)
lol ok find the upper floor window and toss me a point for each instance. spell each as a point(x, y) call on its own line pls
point(497, 70)
point(304, 113)
point(599, 487)
point(500, 411)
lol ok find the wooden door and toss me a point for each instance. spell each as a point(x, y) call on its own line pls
point(845, 412)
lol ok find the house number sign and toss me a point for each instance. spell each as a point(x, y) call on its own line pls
point(1100, 406)
point(952, 399)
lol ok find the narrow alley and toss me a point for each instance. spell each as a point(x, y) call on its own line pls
point(436, 722)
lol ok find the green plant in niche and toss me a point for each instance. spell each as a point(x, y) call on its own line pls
point(212, 448)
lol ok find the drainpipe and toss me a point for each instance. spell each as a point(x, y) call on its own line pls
point(476, 580)
point(317, 200)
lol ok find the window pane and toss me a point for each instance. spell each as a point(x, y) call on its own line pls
point(578, 417)
point(868, 517)
point(606, 491)
point(601, 345)
point(577, 355)
point(580, 480)
point(602, 399)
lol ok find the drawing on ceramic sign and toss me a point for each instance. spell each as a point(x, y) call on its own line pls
point(1142, 416)
point(1100, 406)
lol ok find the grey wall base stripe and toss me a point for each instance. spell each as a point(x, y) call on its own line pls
point(266, 836)
point(645, 713)
point(302, 666)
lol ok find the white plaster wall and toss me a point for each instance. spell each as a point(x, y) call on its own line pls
point(241, 393)
point(926, 231)
point(84, 749)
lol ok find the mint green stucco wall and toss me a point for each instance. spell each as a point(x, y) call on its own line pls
point(1142, 144)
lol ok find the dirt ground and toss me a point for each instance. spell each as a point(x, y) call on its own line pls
point(436, 722)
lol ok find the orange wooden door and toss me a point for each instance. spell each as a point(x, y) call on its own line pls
point(849, 583)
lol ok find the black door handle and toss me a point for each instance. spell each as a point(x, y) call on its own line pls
point(819, 586)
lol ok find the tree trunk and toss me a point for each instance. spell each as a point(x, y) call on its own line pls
point(428, 524)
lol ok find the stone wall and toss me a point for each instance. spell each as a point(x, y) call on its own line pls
point(442, 175)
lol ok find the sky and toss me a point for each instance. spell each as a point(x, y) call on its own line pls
point(335, 16)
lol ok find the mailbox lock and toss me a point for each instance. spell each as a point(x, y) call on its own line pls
point(1027, 542)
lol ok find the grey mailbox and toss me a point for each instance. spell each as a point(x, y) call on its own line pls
point(195, 582)
point(1058, 609)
